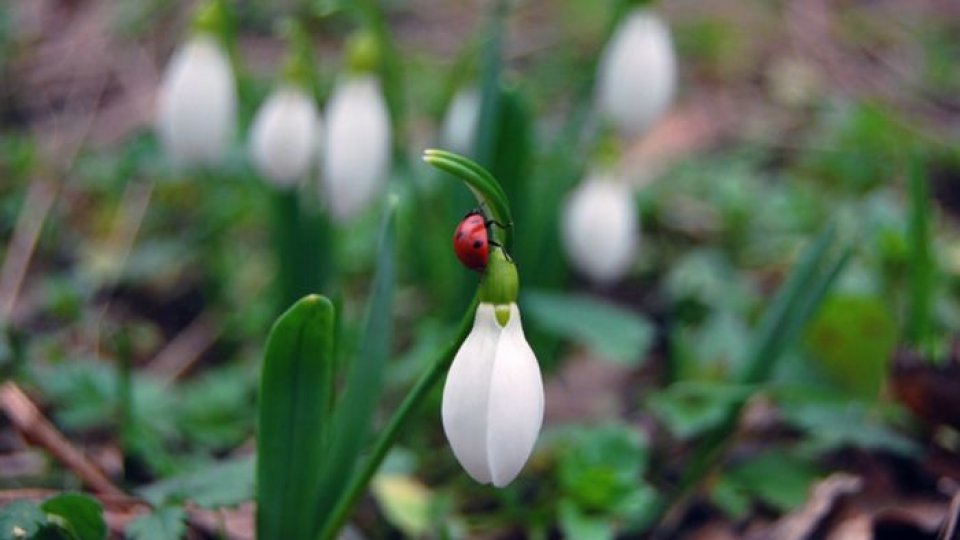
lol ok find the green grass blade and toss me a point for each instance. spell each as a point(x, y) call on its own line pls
point(920, 262)
point(295, 393)
point(300, 236)
point(354, 411)
point(513, 148)
point(795, 303)
point(489, 116)
point(389, 435)
point(768, 339)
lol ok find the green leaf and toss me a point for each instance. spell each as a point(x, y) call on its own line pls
point(853, 337)
point(612, 332)
point(775, 478)
point(600, 467)
point(793, 305)
point(79, 514)
point(690, 408)
point(512, 146)
point(921, 266)
point(795, 302)
point(825, 417)
point(487, 129)
point(483, 185)
point(294, 413)
point(221, 484)
point(21, 519)
point(354, 411)
point(730, 498)
point(167, 523)
point(576, 524)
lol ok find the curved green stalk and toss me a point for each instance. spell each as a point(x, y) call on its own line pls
point(484, 186)
point(389, 435)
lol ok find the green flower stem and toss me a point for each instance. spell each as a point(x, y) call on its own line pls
point(391, 70)
point(389, 435)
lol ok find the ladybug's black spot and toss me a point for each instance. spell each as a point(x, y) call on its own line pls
point(477, 244)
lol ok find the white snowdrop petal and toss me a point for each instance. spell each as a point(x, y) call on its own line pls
point(516, 403)
point(460, 121)
point(196, 103)
point(283, 137)
point(357, 143)
point(466, 395)
point(600, 229)
point(638, 72)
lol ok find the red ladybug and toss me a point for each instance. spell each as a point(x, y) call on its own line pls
point(471, 241)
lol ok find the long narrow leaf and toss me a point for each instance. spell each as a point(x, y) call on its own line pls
point(920, 266)
point(486, 128)
point(768, 338)
point(354, 411)
point(391, 431)
point(295, 389)
point(513, 148)
point(795, 303)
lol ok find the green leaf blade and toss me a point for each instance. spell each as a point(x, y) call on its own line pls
point(612, 332)
point(81, 515)
point(167, 523)
point(295, 397)
point(355, 409)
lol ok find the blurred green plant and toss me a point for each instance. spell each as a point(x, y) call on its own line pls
point(68, 516)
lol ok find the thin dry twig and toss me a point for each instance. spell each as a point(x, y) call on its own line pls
point(185, 349)
point(40, 197)
point(35, 427)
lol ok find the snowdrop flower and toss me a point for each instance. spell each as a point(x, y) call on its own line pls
point(637, 73)
point(601, 230)
point(285, 135)
point(460, 122)
point(197, 102)
point(357, 145)
point(493, 398)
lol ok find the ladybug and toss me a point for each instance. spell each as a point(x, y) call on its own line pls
point(471, 241)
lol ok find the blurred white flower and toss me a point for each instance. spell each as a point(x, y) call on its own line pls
point(637, 74)
point(196, 103)
point(493, 399)
point(460, 121)
point(285, 136)
point(357, 146)
point(601, 229)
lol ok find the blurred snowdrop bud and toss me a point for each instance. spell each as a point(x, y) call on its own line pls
point(460, 122)
point(285, 136)
point(357, 145)
point(637, 74)
point(601, 230)
point(493, 398)
point(197, 101)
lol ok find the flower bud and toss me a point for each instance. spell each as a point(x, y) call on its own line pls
point(637, 73)
point(285, 136)
point(493, 398)
point(196, 102)
point(460, 122)
point(356, 146)
point(600, 229)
